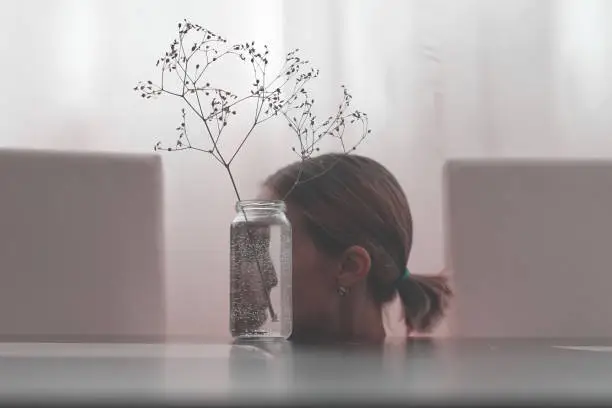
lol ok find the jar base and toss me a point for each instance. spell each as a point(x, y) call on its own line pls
point(260, 335)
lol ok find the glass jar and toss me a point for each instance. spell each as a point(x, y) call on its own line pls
point(260, 271)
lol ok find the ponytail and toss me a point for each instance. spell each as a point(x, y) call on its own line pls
point(425, 300)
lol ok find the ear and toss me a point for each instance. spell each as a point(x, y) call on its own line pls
point(355, 265)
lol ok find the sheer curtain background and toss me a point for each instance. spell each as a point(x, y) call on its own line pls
point(438, 78)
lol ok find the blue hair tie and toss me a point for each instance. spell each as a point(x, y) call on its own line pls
point(403, 276)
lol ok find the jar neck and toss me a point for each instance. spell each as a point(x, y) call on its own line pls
point(261, 206)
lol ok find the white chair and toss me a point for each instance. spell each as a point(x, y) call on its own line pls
point(530, 247)
point(81, 247)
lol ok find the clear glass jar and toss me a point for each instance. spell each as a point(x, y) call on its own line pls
point(260, 271)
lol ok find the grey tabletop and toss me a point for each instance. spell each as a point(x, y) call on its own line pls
point(459, 372)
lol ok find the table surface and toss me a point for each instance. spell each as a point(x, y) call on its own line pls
point(423, 371)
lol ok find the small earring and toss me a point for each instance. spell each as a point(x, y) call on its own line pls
point(342, 291)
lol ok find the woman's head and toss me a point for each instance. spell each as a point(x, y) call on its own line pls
point(352, 239)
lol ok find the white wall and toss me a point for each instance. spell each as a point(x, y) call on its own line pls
point(68, 69)
point(439, 78)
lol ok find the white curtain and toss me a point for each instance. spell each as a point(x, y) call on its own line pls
point(438, 78)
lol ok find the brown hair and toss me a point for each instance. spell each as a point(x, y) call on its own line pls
point(350, 200)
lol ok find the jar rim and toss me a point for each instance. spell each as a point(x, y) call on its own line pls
point(261, 204)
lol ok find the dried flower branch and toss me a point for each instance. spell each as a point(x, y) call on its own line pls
point(284, 94)
point(185, 70)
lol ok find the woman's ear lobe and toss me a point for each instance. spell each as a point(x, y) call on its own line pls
point(355, 265)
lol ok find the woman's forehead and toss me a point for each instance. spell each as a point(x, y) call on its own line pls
point(294, 214)
point(266, 193)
